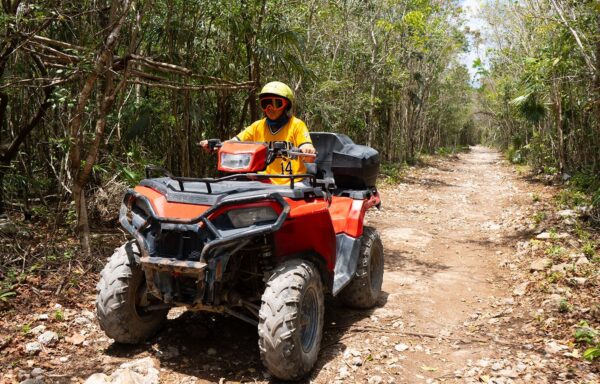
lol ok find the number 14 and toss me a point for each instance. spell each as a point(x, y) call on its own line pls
point(288, 168)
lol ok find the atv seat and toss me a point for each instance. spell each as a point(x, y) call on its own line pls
point(352, 166)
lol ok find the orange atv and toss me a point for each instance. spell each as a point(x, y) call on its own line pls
point(239, 245)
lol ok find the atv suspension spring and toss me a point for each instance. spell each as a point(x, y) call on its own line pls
point(266, 256)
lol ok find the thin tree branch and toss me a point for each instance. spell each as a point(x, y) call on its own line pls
point(586, 57)
point(218, 87)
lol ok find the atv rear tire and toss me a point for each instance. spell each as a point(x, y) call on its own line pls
point(290, 324)
point(365, 287)
point(121, 287)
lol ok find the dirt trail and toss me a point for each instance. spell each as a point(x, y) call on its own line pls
point(442, 239)
point(442, 246)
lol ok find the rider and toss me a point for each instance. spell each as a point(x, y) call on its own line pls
point(280, 124)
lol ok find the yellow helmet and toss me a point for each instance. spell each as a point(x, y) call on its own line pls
point(277, 88)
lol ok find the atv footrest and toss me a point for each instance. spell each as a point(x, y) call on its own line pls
point(164, 264)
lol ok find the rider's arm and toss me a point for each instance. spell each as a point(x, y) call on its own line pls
point(246, 135)
point(302, 138)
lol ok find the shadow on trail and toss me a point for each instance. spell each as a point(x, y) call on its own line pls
point(211, 347)
point(427, 182)
point(339, 327)
point(510, 238)
point(401, 261)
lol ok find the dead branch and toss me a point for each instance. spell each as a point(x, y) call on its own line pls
point(56, 52)
point(144, 75)
point(49, 81)
point(56, 43)
point(181, 87)
point(161, 66)
point(48, 57)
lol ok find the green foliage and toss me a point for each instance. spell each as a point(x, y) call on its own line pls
point(447, 151)
point(572, 198)
point(9, 283)
point(6, 293)
point(539, 216)
point(589, 249)
point(592, 353)
point(555, 251)
point(585, 334)
point(564, 306)
point(553, 278)
point(59, 315)
point(26, 328)
point(386, 73)
point(585, 182)
point(393, 172)
point(536, 85)
point(516, 156)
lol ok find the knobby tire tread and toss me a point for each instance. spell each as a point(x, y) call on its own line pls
point(279, 342)
point(114, 309)
point(359, 293)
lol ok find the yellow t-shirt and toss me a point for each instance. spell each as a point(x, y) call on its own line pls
point(294, 133)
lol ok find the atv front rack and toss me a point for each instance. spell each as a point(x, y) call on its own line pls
point(151, 169)
point(137, 225)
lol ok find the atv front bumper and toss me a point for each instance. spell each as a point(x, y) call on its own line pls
point(206, 269)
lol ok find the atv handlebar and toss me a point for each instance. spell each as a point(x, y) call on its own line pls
point(278, 148)
point(295, 152)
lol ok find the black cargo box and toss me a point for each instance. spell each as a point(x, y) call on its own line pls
point(352, 166)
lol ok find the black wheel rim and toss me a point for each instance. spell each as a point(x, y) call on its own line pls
point(141, 310)
point(375, 267)
point(309, 320)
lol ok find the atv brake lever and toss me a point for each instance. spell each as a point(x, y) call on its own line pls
point(295, 153)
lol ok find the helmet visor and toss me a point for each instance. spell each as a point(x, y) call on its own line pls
point(276, 103)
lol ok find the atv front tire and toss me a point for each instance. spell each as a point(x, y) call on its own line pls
point(365, 287)
point(120, 293)
point(290, 324)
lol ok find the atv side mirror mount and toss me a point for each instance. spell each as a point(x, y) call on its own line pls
point(213, 144)
point(279, 145)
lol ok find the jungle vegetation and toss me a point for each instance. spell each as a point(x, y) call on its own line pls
point(92, 91)
point(539, 97)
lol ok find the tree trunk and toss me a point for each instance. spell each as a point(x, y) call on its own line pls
point(373, 78)
point(390, 133)
point(559, 127)
point(81, 172)
point(253, 57)
point(185, 136)
point(82, 227)
point(597, 91)
point(10, 151)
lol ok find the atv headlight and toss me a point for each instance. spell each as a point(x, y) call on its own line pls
point(235, 160)
point(245, 217)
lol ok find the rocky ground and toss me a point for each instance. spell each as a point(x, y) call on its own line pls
point(488, 279)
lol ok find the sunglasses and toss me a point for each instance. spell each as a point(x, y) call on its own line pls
point(276, 103)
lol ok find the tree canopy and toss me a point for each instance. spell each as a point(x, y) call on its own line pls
point(92, 91)
point(540, 98)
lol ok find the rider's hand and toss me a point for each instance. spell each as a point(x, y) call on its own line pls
point(308, 148)
point(204, 145)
